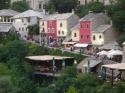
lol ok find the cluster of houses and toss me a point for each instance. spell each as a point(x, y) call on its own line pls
point(57, 29)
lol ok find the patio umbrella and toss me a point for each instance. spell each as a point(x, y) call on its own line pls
point(114, 53)
point(102, 53)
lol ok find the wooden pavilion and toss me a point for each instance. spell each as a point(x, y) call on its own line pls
point(119, 67)
point(49, 65)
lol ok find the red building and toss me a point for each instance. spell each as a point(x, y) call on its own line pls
point(51, 31)
point(85, 32)
point(89, 23)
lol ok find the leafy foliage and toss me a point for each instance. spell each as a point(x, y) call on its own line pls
point(20, 6)
point(4, 4)
point(33, 29)
point(97, 7)
point(62, 6)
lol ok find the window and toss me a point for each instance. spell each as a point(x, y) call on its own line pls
point(53, 30)
point(48, 29)
point(50, 23)
point(19, 29)
point(100, 36)
point(85, 2)
point(43, 23)
point(22, 29)
point(81, 36)
point(81, 26)
point(94, 37)
point(28, 20)
point(87, 26)
point(75, 35)
point(60, 24)
point(22, 20)
point(63, 32)
point(43, 30)
point(79, 2)
point(87, 36)
point(44, 6)
point(40, 6)
point(58, 32)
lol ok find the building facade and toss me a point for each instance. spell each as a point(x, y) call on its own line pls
point(25, 19)
point(75, 33)
point(58, 26)
point(5, 19)
point(95, 29)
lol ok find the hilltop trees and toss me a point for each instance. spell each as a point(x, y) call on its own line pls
point(4, 4)
point(20, 6)
point(62, 6)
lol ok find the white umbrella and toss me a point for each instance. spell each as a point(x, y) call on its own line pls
point(102, 53)
point(114, 52)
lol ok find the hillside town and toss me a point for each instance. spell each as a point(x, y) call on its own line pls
point(73, 46)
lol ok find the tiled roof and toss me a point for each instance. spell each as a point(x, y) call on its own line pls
point(30, 13)
point(76, 27)
point(92, 16)
point(101, 28)
point(58, 16)
point(8, 12)
point(5, 27)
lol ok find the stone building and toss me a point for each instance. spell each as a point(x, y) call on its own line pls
point(38, 5)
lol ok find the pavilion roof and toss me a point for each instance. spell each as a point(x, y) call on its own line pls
point(46, 58)
point(118, 66)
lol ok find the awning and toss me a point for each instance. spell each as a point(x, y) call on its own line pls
point(80, 45)
point(119, 66)
point(70, 43)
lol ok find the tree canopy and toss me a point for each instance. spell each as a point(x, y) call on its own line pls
point(20, 6)
point(4, 4)
point(62, 6)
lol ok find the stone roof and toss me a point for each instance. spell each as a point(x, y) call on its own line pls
point(30, 13)
point(92, 16)
point(8, 12)
point(112, 45)
point(101, 28)
point(76, 27)
point(5, 27)
point(58, 16)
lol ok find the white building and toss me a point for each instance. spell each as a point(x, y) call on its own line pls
point(64, 22)
point(5, 19)
point(23, 20)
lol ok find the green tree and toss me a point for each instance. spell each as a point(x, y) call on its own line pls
point(82, 10)
point(33, 29)
point(20, 6)
point(4, 4)
point(119, 20)
point(72, 89)
point(6, 85)
point(97, 7)
point(51, 7)
point(63, 6)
